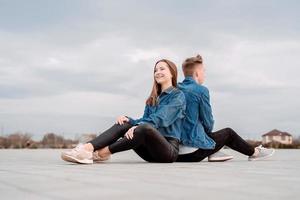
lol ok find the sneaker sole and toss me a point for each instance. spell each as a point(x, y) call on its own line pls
point(262, 158)
point(220, 159)
point(75, 160)
point(99, 161)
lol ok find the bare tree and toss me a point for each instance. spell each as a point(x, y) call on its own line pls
point(18, 140)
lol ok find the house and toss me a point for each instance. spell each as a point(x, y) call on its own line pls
point(277, 137)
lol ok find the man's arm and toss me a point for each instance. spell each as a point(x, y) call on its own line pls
point(205, 112)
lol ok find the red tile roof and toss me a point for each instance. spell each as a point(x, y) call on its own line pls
point(276, 132)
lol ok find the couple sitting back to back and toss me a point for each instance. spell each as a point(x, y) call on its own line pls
point(176, 125)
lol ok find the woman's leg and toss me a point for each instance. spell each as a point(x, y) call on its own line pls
point(147, 137)
point(109, 136)
point(222, 137)
point(83, 153)
point(143, 153)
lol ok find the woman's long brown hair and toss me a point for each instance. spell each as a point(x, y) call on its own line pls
point(156, 89)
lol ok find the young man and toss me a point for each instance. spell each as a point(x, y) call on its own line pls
point(198, 140)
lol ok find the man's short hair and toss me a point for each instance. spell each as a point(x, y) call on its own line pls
point(189, 65)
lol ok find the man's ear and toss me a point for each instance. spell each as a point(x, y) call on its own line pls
point(196, 74)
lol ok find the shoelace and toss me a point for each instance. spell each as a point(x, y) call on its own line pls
point(260, 147)
point(77, 148)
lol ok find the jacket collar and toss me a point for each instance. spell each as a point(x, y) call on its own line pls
point(189, 79)
point(168, 90)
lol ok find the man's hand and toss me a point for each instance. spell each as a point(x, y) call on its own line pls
point(121, 120)
point(129, 133)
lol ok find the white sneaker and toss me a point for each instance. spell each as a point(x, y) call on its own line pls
point(262, 153)
point(97, 158)
point(219, 157)
point(78, 155)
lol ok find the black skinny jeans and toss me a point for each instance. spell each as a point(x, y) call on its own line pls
point(147, 142)
point(222, 137)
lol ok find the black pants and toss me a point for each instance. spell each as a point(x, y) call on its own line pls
point(222, 137)
point(147, 142)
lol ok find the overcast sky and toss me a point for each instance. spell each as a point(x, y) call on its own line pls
point(72, 67)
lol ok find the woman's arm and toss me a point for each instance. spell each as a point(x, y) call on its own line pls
point(137, 121)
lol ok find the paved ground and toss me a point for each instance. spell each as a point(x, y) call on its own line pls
point(40, 174)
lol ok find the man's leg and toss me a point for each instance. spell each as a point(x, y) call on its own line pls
point(230, 138)
point(235, 142)
point(222, 137)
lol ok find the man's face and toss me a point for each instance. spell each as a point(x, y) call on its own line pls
point(200, 73)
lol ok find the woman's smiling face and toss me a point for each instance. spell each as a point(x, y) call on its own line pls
point(162, 73)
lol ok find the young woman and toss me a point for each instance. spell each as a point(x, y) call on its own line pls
point(154, 137)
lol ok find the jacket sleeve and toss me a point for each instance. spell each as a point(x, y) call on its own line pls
point(167, 114)
point(205, 112)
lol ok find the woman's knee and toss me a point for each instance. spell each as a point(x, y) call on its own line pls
point(144, 128)
point(141, 132)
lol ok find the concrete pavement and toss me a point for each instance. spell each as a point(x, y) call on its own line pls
point(41, 174)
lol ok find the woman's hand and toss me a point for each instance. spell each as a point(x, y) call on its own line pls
point(121, 120)
point(129, 133)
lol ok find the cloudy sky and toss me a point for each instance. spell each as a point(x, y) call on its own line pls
point(72, 67)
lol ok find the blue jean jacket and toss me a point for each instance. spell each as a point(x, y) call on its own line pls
point(167, 115)
point(199, 119)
